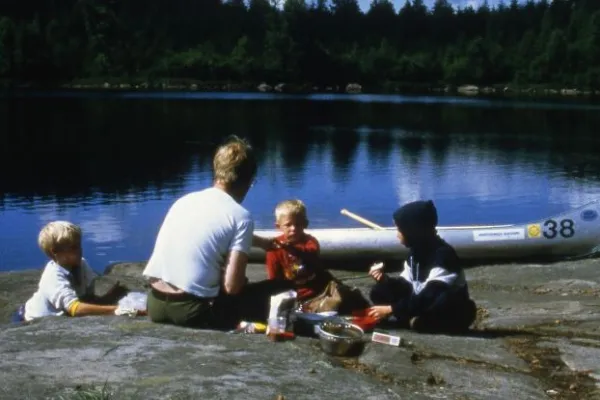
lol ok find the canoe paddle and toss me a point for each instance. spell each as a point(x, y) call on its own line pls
point(373, 267)
point(371, 225)
point(360, 219)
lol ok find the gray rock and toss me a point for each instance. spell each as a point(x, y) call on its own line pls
point(475, 382)
point(354, 88)
point(468, 89)
point(537, 335)
point(263, 87)
point(580, 355)
point(144, 360)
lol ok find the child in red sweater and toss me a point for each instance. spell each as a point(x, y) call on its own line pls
point(296, 254)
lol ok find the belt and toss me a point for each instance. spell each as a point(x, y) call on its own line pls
point(184, 296)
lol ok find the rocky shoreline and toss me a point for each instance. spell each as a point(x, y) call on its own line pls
point(291, 88)
point(537, 337)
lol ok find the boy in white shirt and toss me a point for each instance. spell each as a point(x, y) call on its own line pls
point(67, 283)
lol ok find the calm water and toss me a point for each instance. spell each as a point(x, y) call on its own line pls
point(114, 163)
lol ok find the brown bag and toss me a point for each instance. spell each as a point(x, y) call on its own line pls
point(329, 300)
point(336, 297)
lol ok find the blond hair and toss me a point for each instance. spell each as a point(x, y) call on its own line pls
point(58, 234)
point(294, 208)
point(234, 162)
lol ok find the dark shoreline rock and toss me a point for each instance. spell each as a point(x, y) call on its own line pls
point(490, 90)
point(537, 336)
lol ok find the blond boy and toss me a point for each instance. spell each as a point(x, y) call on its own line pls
point(67, 278)
point(297, 258)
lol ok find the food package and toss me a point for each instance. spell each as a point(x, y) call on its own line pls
point(281, 312)
point(385, 338)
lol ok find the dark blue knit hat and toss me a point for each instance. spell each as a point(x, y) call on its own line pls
point(417, 216)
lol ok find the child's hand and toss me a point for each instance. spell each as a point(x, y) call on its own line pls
point(379, 312)
point(376, 271)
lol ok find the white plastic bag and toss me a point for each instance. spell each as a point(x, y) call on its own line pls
point(134, 300)
point(281, 312)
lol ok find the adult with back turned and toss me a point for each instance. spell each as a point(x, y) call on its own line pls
point(197, 270)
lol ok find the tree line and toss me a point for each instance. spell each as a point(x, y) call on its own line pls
point(315, 42)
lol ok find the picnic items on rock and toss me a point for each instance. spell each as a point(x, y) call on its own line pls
point(337, 296)
point(385, 338)
point(134, 303)
point(307, 322)
point(130, 312)
point(362, 319)
point(250, 327)
point(329, 300)
point(340, 338)
point(280, 324)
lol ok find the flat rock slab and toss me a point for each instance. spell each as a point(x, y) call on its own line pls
point(144, 360)
point(580, 355)
point(537, 336)
point(475, 382)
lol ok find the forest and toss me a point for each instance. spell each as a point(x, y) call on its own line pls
point(321, 43)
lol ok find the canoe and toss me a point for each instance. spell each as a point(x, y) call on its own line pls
point(575, 233)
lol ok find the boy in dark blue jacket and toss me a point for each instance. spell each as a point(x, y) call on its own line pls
point(431, 293)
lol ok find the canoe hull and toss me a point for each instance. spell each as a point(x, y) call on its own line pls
point(571, 234)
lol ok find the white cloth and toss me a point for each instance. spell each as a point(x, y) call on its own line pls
point(198, 232)
point(128, 311)
point(56, 291)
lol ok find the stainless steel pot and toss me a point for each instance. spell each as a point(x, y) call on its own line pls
point(340, 338)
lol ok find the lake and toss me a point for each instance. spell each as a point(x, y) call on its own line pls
point(113, 162)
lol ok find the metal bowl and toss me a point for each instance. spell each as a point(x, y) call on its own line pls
point(341, 338)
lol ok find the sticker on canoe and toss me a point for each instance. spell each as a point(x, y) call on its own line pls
point(534, 230)
point(489, 235)
point(589, 215)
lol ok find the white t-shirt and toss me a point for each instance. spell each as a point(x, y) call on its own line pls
point(198, 232)
point(56, 291)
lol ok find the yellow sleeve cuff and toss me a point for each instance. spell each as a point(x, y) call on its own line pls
point(73, 308)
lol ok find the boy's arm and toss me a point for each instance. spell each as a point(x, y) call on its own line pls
point(80, 309)
point(58, 290)
point(237, 260)
point(262, 242)
point(62, 296)
point(235, 272)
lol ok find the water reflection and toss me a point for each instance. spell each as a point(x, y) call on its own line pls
point(115, 165)
point(66, 148)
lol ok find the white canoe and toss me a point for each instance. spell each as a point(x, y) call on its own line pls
point(575, 233)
